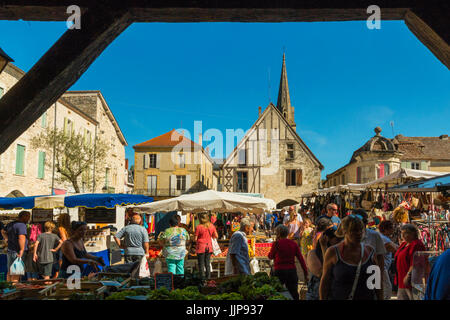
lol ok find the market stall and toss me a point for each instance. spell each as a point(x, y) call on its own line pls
point(99, 211)
point(217, 202)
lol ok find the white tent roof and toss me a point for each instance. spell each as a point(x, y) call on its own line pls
point(209, 200)
point(406, 173)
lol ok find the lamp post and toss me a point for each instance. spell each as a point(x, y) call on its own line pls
point(4, 59)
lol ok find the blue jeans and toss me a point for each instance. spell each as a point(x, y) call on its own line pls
point(175, 266)
point(313, 289)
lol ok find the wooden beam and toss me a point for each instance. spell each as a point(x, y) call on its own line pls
point(60, 67)
point(431, 28)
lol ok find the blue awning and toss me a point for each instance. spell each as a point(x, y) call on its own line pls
point(17, 203)
point(106, 200)
point(433, 184)
point(93, 200)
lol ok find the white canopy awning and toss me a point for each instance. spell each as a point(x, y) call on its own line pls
point(405, 173)
point(209, 200)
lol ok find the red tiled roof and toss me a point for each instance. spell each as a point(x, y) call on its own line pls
point(169, 139)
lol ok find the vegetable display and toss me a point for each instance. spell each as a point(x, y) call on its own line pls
point(244, 287)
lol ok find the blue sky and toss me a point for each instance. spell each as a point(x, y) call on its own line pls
point(344, 79)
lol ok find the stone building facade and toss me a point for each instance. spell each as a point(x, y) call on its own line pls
point(272, 159)
point(25, 171)
point(170, 165)
point(381, 156)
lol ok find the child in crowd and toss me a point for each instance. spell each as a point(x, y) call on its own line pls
point(44, 249)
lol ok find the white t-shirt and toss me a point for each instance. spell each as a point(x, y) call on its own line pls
point(287, 216)
point(373, 238)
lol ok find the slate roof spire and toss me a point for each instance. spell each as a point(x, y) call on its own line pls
point(284, 99)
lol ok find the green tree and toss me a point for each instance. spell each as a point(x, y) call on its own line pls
point(75, 156)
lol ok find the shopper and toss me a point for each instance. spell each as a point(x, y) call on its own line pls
point(238, 261)
point(16, 235)
point(340, 277)
point(404, 260)
point(332, 211)
point(174, 240)
point(74, 252)
point(386, 230)
point(438, 286)
point(306, 239)
point(64, 234)
point(294, 226)
point(204, 233)
point(46, 244)
point(314, 260)
point(373, 238)
point(284, 251)
point(135, 240)
point(268, 220)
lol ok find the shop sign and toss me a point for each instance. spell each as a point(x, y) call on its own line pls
point(100, 215)
point(164, 280)
point(42, 215)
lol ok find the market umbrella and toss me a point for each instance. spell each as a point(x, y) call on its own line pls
point(209, 200)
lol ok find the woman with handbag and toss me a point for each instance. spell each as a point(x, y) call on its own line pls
point(204, 233)
point(345, 265)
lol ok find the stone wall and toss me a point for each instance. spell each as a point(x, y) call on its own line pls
point(29, 183)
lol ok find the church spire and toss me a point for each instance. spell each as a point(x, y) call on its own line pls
point(284, 100)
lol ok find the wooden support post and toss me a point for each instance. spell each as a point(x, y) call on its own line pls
point(59, 68)
point(431, 28)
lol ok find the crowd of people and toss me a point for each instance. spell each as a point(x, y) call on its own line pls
point(338, 258)
point(343, 257)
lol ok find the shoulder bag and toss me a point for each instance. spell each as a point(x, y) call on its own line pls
point(215, 245)
point(358, 271)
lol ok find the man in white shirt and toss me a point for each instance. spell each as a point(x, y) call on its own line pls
point(287, 215)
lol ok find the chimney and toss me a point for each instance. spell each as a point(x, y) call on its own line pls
point(444, 137)
point(200, 141)
point(259, 111)
point(126, 164)
point(207, 150)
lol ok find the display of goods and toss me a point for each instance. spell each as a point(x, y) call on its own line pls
point(26, 286)
point(189, 279)
point(82, 296)
point(243, 287)
point(262, 249)
point(6, 285)
point(257, 287)
point(129, 293)
point(154, 252)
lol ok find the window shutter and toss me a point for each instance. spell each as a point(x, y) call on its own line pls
point(299, 177)
point(20, 156)
point(188, 182)
point(287, 177)
point(44, 120)
point(173, 184)
point(41, 165)
point(158, 160)
point(146, 159)
point(423, 165)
